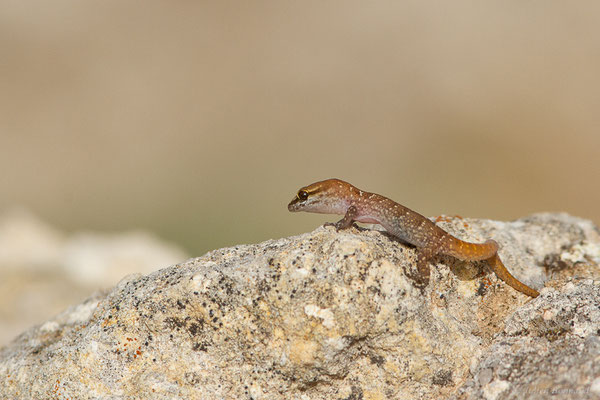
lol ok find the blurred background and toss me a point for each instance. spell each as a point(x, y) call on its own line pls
point(135, 134)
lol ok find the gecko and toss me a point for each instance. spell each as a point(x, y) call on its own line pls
point(334, 196)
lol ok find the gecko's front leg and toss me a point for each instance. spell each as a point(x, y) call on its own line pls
point(347, 221)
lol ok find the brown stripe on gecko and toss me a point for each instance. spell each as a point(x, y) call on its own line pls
point(334, 196)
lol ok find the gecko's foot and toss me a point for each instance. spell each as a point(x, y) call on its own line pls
point(338, 225)
point(334, 224)
point(419, 280)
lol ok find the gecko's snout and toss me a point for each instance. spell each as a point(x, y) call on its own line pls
point(294, 205)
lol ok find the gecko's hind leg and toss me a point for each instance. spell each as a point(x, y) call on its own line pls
point(421, 277)
point(423, 256)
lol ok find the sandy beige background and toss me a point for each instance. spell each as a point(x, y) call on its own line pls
point(199, 120)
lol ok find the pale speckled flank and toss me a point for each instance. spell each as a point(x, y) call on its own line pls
point(334, 196)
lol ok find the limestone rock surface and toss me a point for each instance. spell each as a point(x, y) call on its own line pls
point(333, 315)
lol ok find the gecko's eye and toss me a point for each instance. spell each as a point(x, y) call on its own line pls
point(303, 195)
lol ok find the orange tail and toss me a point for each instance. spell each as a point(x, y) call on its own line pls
point(470, 251)
point(502, 273)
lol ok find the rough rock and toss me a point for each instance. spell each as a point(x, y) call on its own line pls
point(549, 348)
point(333, 315)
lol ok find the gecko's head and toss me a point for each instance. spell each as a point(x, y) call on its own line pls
point(325, 197)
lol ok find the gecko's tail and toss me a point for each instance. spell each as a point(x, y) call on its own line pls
point(486, 251)
point(471, 251)
point(502, 273)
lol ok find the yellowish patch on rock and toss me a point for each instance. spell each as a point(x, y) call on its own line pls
point(373, 395)
point(303, 351)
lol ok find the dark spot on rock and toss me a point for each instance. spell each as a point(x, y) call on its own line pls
point(263, 286)
point(201, 346)
point(442, 378)
point(482, 289)
point(377, 360)
point(192, 378)
point(357, 394)
point(195, 328)
point(173, 322)
point(554, 263)
point(555, 333)
point(374, 290)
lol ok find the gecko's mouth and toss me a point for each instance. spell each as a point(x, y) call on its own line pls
point(294, 205)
